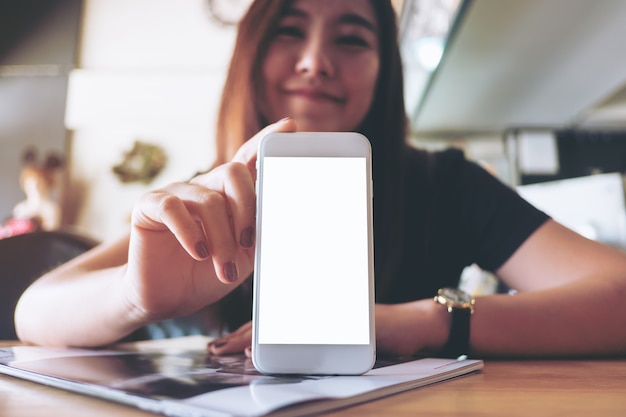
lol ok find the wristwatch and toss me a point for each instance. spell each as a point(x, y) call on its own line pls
point(460, 305)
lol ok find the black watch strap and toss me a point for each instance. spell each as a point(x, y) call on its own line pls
point(458, 342)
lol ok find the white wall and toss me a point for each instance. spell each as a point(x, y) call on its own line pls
point(149, 70)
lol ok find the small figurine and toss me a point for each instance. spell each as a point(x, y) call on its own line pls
point(38, 181)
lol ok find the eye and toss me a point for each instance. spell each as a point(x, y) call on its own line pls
point(289, 31)
point(352, 40)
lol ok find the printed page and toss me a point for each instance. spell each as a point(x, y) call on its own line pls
point(178, 381)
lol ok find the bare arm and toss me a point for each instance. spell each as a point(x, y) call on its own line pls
point(570, 302)
point(570, 299)
point(183, 252)
point(189, 245)
point(83, 296)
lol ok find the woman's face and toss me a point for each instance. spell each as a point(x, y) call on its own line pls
point(322, 65)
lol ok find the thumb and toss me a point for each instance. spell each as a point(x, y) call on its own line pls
point(248, 151)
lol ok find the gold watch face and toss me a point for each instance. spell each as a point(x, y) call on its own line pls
point(455, 298)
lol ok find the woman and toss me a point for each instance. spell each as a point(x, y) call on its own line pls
point(332, 65)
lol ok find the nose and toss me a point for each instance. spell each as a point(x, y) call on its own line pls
point(315, 60)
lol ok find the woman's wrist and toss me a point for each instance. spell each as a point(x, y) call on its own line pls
point(437, 325)
point(409, 328)
point(125, 315)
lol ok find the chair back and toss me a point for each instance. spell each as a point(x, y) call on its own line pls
point(24, 258)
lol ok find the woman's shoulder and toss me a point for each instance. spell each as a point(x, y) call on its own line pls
point(449, 172)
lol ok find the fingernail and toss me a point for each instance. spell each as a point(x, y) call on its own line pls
point(202, 250)
point(230, 271)
point(247, 237)
point(284, 119)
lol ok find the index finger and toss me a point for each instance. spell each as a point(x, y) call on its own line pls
point(247, 152)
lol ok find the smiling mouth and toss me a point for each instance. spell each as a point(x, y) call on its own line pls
point(315, 95)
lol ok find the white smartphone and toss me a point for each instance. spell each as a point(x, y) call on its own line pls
point(313, 309)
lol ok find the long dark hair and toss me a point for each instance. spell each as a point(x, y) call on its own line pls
point(385, 124)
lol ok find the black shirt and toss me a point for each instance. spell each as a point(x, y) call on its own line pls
point(456, 214)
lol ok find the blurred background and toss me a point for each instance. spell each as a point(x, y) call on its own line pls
point(108, 84)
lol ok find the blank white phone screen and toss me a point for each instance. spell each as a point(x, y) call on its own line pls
point(314, 285)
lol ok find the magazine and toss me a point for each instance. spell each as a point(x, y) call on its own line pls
point(181, 379)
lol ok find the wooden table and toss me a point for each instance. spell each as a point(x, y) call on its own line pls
point(503, 388)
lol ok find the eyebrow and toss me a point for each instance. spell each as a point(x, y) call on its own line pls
point(355, 19)
point(346, 18)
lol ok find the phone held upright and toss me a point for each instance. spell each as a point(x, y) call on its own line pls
point(313, 309)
